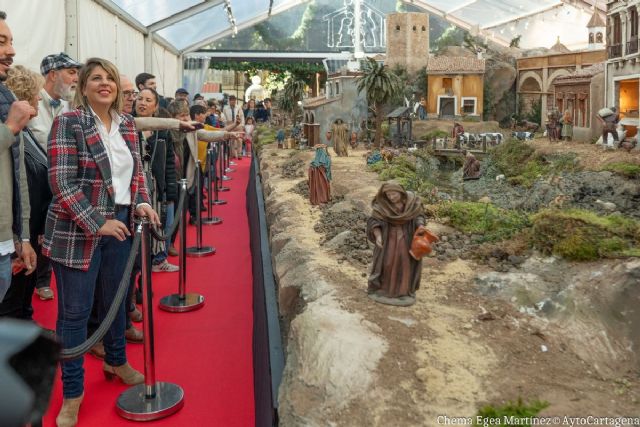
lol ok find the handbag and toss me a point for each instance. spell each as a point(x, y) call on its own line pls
point(421, 243)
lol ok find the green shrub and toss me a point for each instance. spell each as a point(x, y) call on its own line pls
point(582, 235)
point(629, 170)
point(521, 165)
point(482, 218)
point(510, 414)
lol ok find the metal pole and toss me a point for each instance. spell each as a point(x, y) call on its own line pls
point(199, 250)
point(223, 164)
point(210, 219)
point(152, 400)
point(216, 177)
point(182, 301)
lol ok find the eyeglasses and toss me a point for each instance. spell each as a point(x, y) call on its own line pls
point(129, 93)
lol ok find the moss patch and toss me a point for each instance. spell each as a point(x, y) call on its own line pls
point(582, 235)
point(516, 413)
point(522, 165)
point(483, 219)
point(629, 170)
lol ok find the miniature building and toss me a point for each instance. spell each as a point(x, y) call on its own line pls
point(408, 41)
point(455, 86)
point(536, 76)
point(623, 67)
point(582, 93)
point(340, 101)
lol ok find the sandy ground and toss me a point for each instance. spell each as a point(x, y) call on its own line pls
point(443, 360)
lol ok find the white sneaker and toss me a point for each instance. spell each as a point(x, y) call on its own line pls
point(165, 267)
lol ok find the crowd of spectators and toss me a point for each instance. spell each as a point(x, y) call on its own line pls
point(82, 150)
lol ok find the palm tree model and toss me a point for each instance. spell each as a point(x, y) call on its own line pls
point(381, 86)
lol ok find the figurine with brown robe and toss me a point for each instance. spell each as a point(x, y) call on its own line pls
point(340, 136)
point(320, 176)
point(471, 167)
point(396, 222)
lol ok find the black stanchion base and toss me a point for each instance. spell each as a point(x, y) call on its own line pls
point(219, 202)
point(214, 220)
point(134, 405)
point(196, 252)
point(223, 189)
point(175, 304)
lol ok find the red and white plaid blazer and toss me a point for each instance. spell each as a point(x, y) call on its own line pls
point(81, 183)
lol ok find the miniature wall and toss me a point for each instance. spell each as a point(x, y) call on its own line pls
point(463, 85)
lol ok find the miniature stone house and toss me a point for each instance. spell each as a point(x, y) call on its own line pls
point(408, 41)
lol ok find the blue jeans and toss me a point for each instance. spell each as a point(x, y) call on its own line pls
point(75, 298)
point(162, 255)
point(5, 274)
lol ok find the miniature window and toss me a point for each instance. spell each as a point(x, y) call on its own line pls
point(468, 105)
point(447, 83)
point(424, 28)
point(591, 38)
point(397, 27)
point(337, 88)
point(598, 37)
point(414, 28)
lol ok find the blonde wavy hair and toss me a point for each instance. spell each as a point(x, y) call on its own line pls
point(90, 64)
point(25, 84)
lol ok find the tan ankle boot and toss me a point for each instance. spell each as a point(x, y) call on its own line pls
point(68, 416)
point(126, 373)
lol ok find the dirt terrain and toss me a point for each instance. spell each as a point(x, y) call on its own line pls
point(458, 347)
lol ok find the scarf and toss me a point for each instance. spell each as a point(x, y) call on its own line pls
point(384, 210)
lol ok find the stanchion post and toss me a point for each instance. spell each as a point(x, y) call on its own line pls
point(182, 301)
point(152, 400)
point(216, 176)
point(199, 250)
point(210, 219)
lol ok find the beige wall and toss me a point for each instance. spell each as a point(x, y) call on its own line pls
point(408, 40)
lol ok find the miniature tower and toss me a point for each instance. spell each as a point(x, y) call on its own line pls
point(597, 30)
point(408, 40)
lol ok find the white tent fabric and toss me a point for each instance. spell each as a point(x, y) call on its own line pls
point(166, 68)
point(29, 40)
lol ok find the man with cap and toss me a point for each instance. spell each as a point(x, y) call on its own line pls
point(182, 93)
point(61, 77)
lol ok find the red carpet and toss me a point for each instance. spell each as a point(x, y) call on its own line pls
point(207, 352)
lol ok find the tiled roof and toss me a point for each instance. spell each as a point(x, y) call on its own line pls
point(585, 73)
point(452, 64)
point(596, 20)
point(318, 101)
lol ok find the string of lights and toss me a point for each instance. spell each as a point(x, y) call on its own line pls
point(230, 17)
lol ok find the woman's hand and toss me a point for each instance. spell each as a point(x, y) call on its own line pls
point(114, 228)
point(146, 210)
point(378, 235)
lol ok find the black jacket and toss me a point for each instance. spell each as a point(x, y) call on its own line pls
point(36, 165)
point(163, 166)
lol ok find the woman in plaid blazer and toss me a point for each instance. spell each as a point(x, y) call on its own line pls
point(97, 183)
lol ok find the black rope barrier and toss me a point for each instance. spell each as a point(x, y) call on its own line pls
point(123, 287)
point(163, 237)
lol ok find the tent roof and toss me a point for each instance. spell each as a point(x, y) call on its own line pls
point(188, 25)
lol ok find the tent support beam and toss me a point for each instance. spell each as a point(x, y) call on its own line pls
point(130, 20)
point(71, 46)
